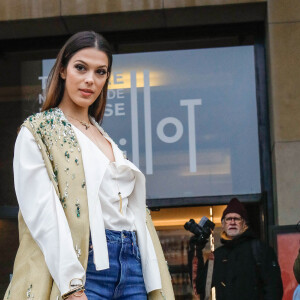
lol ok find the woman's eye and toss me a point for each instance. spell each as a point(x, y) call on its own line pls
point(102, 71)
point(80, 67)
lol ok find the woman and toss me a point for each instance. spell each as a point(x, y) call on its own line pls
point(82, 204)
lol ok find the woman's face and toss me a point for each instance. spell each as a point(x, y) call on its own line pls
point(85, 76)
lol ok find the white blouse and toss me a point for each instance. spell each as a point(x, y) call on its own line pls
point(117, 178)
point(51, 230)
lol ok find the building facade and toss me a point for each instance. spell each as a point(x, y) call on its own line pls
point(216, 85)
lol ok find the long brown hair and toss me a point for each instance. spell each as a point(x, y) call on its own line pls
point(56, 85)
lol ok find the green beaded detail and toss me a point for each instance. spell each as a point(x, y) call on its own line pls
point(54, 130)
point(63, 202)
point(29, 294)
point(77, 208)
point(67, 155)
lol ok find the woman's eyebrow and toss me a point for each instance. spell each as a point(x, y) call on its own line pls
point(83, 62)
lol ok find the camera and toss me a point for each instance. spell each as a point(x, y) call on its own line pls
point(202, 230)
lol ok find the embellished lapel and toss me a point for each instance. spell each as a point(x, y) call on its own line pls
point(94, 170)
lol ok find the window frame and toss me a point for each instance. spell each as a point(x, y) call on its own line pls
point(209, 36)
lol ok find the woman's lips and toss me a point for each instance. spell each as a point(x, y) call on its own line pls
point(86, 92)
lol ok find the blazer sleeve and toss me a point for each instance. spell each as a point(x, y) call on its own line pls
point(43, 213)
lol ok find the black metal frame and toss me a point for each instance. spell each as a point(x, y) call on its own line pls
point(156, 204)
point(276, 230)
point(267, 204)
point(9, 212)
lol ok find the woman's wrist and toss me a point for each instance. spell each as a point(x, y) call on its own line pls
point(76, 288)
point(82, 297)
point(77, 292)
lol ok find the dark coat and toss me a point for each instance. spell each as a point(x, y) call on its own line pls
point(236, 276)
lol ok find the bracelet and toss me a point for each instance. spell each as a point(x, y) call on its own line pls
point(73, 292)
point(75, 282)
point(80, 292)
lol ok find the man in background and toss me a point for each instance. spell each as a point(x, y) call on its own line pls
point(243, 268)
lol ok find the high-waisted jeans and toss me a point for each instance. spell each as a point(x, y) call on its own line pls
point(124, 278)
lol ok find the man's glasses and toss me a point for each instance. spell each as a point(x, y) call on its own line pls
point(235, 219)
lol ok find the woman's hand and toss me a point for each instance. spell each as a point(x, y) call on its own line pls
point(82, 297)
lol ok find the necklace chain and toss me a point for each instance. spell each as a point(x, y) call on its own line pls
point(87, 125)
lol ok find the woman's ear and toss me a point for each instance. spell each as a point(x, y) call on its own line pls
point(62, 74)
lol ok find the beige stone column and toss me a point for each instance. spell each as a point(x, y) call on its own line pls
point(11, 10)
point(283, 55)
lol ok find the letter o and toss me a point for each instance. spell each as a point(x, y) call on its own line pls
point(160, 130)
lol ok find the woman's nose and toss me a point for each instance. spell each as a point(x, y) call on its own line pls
point(89, 79)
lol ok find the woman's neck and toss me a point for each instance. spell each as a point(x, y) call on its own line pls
point(78, 113)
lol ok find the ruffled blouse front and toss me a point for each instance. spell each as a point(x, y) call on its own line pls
point(118, 178)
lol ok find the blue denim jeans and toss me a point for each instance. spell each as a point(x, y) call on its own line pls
point(124, 278)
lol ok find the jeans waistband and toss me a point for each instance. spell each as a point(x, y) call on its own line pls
point(123, 236)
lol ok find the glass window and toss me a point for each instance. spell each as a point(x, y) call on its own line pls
point(187, 118)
